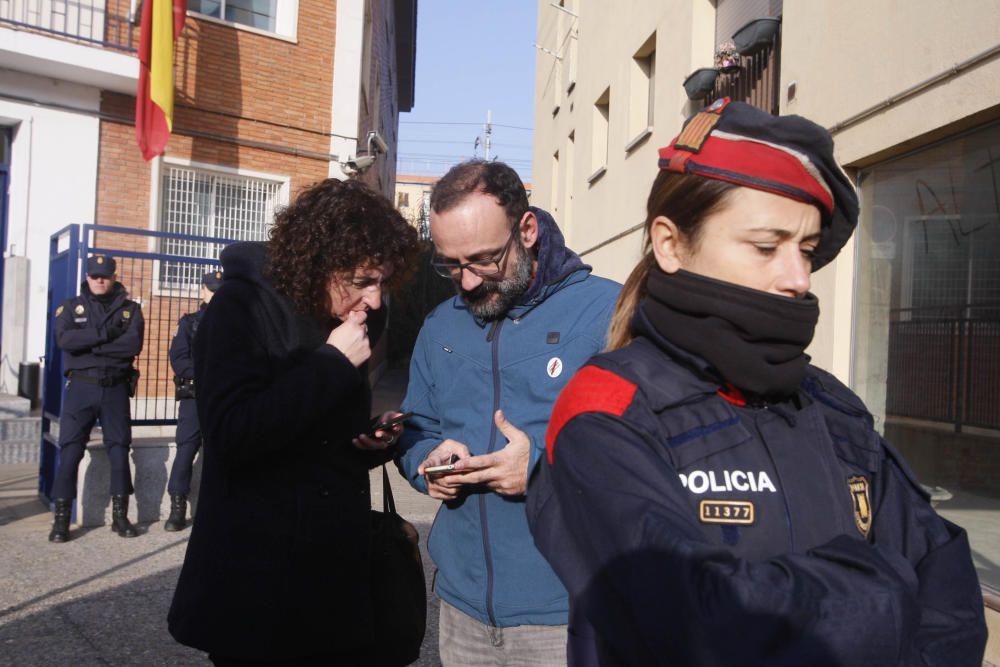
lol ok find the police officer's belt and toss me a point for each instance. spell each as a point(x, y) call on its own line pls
point(183, 388)
point(101, 381)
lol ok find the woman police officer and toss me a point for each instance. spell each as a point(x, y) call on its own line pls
point(709, 497)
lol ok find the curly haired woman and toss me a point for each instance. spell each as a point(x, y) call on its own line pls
point(277, 568)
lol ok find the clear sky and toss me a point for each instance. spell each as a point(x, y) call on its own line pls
point(473, 56)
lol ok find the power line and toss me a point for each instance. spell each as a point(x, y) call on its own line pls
point(459, 154)
point(460, 143)
point(445, 158)
point(441, 122)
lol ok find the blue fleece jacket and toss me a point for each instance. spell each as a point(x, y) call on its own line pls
point(461, 372)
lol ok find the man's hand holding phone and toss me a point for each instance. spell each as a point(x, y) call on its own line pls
point(438, 466)
point(443, 469)
point(504, 471)
point(385, 431)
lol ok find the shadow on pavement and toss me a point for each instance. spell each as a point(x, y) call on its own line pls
point(126, 625)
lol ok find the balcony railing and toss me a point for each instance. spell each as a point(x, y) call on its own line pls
point(944, 365)
point(755, 80)
point(106, 23)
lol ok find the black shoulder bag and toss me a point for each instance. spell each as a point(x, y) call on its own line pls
point(399, 595)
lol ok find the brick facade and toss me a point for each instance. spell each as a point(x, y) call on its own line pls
point(246, 101)
point(239, 86)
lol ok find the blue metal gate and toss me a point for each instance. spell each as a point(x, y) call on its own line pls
point(165, 284)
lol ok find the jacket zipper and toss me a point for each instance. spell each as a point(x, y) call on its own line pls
point(494, 339)
point(758, 411)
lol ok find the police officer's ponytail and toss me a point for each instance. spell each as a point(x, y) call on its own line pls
point(687, 200)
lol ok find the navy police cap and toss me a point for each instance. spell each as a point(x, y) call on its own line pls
point(786, 155)
point(212, 280)
point(100, 266)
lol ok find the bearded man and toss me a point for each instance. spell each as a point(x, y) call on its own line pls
point(485, 372)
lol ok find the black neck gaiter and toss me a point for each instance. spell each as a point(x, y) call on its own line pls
point(754, 340)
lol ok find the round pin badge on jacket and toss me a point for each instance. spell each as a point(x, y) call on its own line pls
point(554, 367)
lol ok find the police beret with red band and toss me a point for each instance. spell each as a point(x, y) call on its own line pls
point(786, 155)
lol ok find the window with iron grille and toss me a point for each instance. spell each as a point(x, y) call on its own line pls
point(198, 202)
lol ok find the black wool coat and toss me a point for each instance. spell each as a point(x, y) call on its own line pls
point(277, 565)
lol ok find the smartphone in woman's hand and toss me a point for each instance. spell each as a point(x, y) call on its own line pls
point(388, 424)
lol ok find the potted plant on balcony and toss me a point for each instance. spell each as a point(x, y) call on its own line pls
point(756, 35)
point(726, 58)
point(700, 82)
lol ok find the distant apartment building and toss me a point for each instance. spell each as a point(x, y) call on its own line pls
point(270, 97)
point(911, 308)
point(413, 199)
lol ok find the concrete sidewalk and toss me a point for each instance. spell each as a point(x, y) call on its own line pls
point(103, 600)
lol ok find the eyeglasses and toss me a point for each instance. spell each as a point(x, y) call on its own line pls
point(484, 268)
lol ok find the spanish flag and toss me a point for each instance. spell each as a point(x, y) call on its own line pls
point(162, 22)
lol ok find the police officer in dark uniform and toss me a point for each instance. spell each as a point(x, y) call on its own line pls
point(188, 431)
point(100, 333)
point(711, 498)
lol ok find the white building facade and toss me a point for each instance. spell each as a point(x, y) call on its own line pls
point(50, 93)
point(910, 311)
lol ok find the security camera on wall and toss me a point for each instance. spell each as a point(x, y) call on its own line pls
point(376, 145)
point(358, 164)
point(376, 138)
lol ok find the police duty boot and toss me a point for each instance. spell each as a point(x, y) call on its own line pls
point(178, 511)
point(60, 525)
point(119, 517)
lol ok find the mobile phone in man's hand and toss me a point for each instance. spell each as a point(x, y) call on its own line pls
point(443, 469)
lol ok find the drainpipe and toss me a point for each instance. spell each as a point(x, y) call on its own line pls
point(951, 72)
